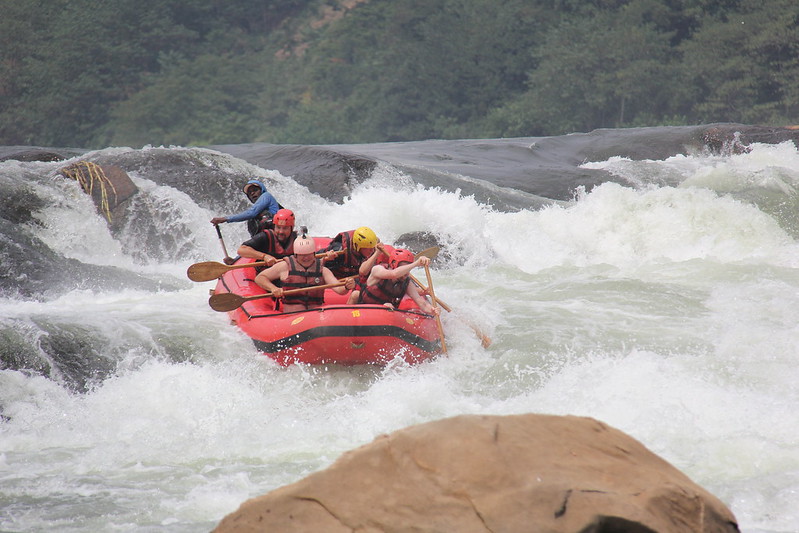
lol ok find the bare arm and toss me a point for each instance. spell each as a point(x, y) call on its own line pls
point(366, 266)
point(384, 273)
point(330, 279)
point(422, 302)
point(252, 253)
point(265, 279)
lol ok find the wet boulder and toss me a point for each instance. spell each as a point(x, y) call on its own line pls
point(109, 186)
point(329, 172)
point(475, 473)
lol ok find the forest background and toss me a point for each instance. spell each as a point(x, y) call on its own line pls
point(97, 73)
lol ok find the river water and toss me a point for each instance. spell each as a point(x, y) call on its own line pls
point(663, 300)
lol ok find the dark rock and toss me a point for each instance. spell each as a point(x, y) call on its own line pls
point(32, 153)
point(329, 172)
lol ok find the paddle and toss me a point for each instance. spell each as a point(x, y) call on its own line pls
point(210, 270)
point(229, 301)
point(485, 340)
point(228, 260)
point(433, 298)
point(429, 252)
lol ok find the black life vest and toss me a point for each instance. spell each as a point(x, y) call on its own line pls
point(261, 222)
point(349, 262)
point(385, 291)
point(299, 277)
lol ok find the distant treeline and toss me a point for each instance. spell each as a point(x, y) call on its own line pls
point(95, 73)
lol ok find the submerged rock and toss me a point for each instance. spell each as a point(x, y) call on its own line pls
point(475, 473)
point(109, 186)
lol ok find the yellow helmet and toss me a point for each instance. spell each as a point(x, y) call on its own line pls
point(363, 238)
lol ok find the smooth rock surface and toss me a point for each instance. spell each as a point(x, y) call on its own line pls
point(472, 473)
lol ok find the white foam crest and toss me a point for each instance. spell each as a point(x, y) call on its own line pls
point(392, 205)
point(768, 166)
point(636, 392)
point(71, 226)
point(628, 228)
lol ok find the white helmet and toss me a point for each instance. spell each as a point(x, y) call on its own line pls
point(304, 245)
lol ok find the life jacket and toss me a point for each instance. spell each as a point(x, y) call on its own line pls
point(347, 264)
point(262, 221)
point(385, 291)
point(298, 277)
point(276, 249)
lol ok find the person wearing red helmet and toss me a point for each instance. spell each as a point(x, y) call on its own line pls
point(388, 284)
point(300, 270)
point(270, 245)
point(379, 255)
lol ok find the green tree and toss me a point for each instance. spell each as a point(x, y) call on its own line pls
point(410, 69)
point(205, 100)
point(601, 68)
point(744, 65)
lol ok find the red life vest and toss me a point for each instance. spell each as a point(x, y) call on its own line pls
point(300, 277)
point(275, 248)
point(385, 291)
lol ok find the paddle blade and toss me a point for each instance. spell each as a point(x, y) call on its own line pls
point(429, 252)
point(206, 271)
point(226, 301)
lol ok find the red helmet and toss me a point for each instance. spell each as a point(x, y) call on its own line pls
point(399, 255)
point(283, 217)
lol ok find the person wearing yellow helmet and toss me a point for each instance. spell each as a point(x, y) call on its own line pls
point(357, 246)
point(300, 270)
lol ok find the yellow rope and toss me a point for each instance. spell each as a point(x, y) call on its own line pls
point(87, 174)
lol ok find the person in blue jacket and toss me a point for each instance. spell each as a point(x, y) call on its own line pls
point(259, 216)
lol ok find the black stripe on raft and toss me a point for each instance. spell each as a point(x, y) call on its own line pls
point(348, 331)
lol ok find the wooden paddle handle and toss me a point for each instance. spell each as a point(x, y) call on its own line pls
point(484, 339)
point(446, 308)
point(433, 298)
point(222, 242)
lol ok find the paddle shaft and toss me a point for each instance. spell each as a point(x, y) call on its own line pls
point(484, 339)
point(229, 301)
point(222, 241)
point(433, 298)
point(210, 270)
point(447, 308)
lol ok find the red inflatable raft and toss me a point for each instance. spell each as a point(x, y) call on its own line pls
point(334, 334)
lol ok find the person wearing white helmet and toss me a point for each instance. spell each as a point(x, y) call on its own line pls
point(301, 270)
point(259, 215)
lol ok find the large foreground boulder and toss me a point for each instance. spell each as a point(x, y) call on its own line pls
point(523, 473)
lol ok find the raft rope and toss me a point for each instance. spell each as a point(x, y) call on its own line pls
point(89, 174)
